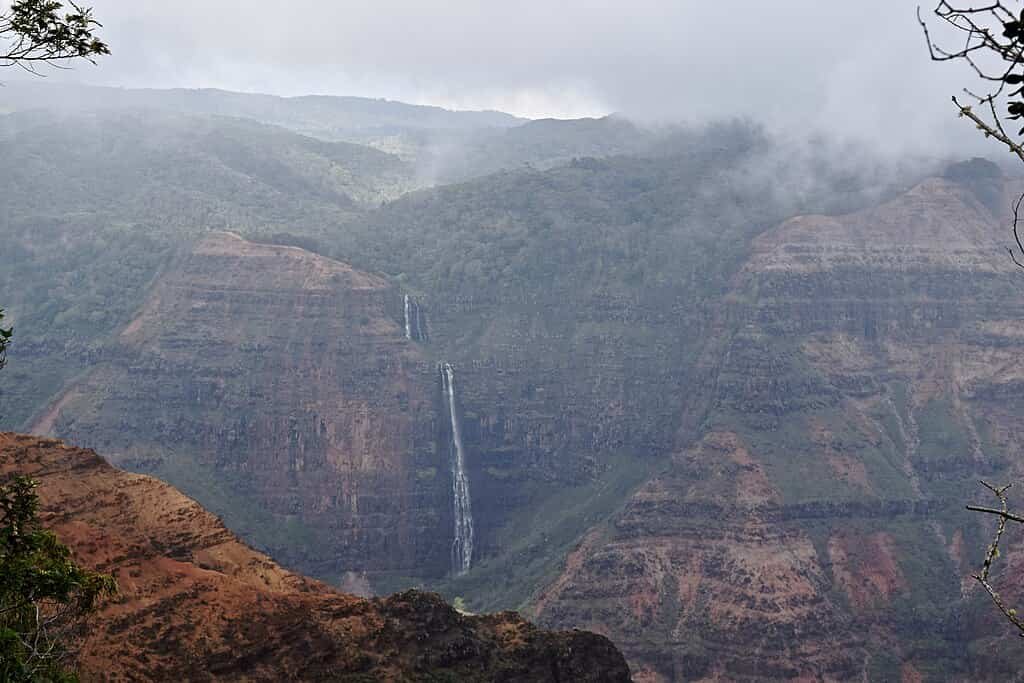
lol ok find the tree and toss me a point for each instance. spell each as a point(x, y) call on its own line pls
point(991, 43)
point(43, 593)
point(993, 46)
point(43, 32)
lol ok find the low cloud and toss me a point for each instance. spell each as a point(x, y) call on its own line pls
point(855, 70)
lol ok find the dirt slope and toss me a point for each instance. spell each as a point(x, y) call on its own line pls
point(196, 604)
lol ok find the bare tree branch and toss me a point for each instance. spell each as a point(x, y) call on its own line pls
point(982, 577)
point(992, 45)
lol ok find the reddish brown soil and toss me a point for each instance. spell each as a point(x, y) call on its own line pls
point(196, 604)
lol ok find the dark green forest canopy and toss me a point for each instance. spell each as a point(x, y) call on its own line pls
point(604, 224)
point(99, 201)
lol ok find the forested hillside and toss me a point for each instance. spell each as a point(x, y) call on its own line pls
point(95, 204)
point(652, 331)
point(319, 116)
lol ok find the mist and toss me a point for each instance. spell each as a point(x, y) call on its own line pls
point(853, 71)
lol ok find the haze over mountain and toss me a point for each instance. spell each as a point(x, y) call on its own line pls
point(689, 325)
point(848, 70)
point(693, 382)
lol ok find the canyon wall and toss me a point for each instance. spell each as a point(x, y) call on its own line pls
point(739, 449)
point(862, 381)
point(277, 387)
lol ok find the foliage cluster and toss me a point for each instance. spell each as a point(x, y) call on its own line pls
point(34, 32)
point(43, 593)
point(607, 226)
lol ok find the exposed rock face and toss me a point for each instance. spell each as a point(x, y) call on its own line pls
point(816, 428)
point(866, 375)
point(196, 604)
point(277, 387)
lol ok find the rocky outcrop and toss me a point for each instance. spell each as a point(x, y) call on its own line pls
point(277, 387)
point(862, 381)
point(196, 604)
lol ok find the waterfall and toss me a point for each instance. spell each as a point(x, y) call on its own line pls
point(462, 545)
point(421, 332)
point(414, 328)
point(408, 322)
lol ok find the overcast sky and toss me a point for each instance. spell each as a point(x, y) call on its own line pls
point(857, 68)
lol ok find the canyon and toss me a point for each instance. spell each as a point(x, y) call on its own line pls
point(722, 413)
point(847, 390)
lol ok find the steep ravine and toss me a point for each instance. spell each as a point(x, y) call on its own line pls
point(745, 460)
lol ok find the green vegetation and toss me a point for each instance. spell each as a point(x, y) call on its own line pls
point(43, 593)
point(96, 205)
point(611, 262)
point(388, 125)
point(597, 226)
point(943, 435)
point(225, 496)
point(535, 542)
point(38, 32)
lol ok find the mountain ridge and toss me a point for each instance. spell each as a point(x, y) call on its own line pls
point(343, 111)
point(814, 529)
point(194, 603)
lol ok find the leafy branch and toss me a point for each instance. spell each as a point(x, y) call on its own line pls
point(38, 32)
